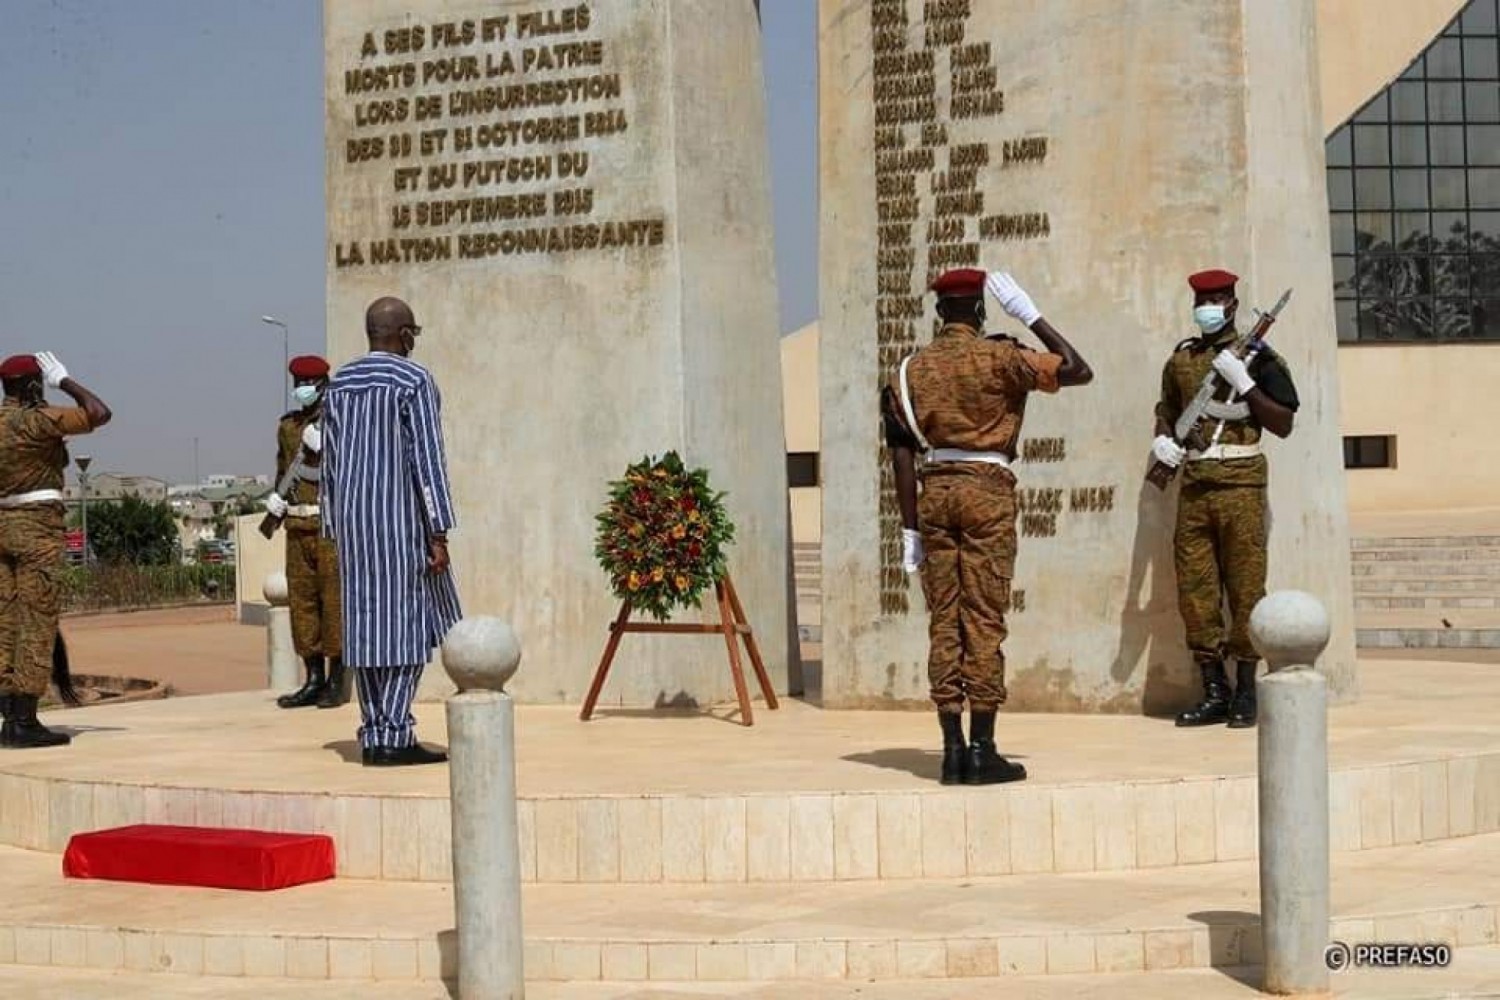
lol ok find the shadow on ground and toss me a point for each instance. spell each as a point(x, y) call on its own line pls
point(921, 763)
point(1229, 934)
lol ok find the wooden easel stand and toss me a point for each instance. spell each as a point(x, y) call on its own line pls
point(732, 625)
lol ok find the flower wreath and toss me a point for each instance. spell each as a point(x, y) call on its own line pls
point(662, 536)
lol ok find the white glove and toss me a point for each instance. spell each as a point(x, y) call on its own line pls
point(1234, 370)
point(275, 506)
point(1167, 451)
point(312, 438)
point(1012, 297)
point(912, 553)
point(53, 372)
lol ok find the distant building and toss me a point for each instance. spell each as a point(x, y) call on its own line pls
point(107, 486)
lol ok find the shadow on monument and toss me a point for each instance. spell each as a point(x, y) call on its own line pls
point(1229, 933)
point(1149, 630)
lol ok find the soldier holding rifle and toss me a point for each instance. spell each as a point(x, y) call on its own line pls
point(1219, 390)
point(312, 573)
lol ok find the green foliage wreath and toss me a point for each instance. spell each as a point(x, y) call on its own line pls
point(662, 536)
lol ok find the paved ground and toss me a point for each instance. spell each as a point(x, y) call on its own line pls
point(1408, 710)
point(1475, 974)
point(195, 650)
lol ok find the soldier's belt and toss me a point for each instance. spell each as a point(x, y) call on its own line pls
point(35, 496)
point(1220, 452)
point(302, 510)
point(960, 455)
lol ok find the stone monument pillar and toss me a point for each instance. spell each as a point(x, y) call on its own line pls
point(574, 199)
point(1100, 152)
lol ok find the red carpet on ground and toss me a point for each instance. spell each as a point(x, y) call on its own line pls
point(200, 856)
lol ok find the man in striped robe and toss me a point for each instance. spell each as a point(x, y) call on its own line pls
point(386, 504)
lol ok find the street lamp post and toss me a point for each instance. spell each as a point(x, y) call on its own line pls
point(286, 354)
point(83, 493)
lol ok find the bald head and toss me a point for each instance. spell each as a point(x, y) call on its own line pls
point(391, 326)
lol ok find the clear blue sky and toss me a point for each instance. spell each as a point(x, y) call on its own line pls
point(162, 189)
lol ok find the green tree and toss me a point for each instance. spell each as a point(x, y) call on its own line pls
point(133, 531)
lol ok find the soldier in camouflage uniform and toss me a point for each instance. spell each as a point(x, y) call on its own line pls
point(1220, 542)
point(960, 401)
point(33, 458)
point(311, 560)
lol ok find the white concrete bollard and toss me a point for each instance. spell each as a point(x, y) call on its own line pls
point(1290, 629)
point(283, 670)
point(481, 655)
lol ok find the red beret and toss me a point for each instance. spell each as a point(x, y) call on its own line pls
point(308, 366)
point(964, 283)
point(1213, 281)
point(20, 366)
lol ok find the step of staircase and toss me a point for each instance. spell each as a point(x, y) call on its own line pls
point(803, 796)
point(1193, 917)
point(1427, 570)
point(1444, 586)
point(1438, 602)
point(1464, 541)
point(1426, 638)
point(1427, 554)
point(1477, 975)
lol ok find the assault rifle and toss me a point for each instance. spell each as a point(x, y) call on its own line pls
point(271, 522)
point(1189, 431)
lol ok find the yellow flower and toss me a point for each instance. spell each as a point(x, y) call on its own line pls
point(658, 574)
point(681, 581)
point(693, 517)
point(679, 532)
point(635, 581)
point(636, 531)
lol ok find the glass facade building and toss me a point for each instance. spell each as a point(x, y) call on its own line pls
point(1414, 195)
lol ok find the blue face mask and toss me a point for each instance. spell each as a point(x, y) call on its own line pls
point(1210, 317)
point(306, 395)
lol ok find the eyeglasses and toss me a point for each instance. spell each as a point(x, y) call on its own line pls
point(416, 331)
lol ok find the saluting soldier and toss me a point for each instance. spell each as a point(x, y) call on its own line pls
point(1220, 543)
point(312, 570)
point(33, 458)
point(960, 402)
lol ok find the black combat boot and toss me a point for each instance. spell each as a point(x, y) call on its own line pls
point(336, 691)
point(1214, 708)
point(955, 750)
point(985, 765)
point(22, 729)
point(1242, 708)
point(309, 692)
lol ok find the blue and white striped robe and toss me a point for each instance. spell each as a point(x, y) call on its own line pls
point(383, 492)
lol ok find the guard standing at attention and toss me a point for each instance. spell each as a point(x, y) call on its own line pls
point(959, 402)
point(312, 571)
point(1220, 543)
point(33, 458)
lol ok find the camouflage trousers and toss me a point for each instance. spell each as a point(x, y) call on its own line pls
point(312, 581)
point(31, 562)
point(967, 515)
point(1220, 552)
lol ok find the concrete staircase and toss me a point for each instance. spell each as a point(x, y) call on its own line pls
point(1417, 592)
point(1427, 592)
point(809, 856)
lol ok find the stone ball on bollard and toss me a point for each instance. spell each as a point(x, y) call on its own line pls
point(481, 654)
point(1290, 629)
point(275, 588)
